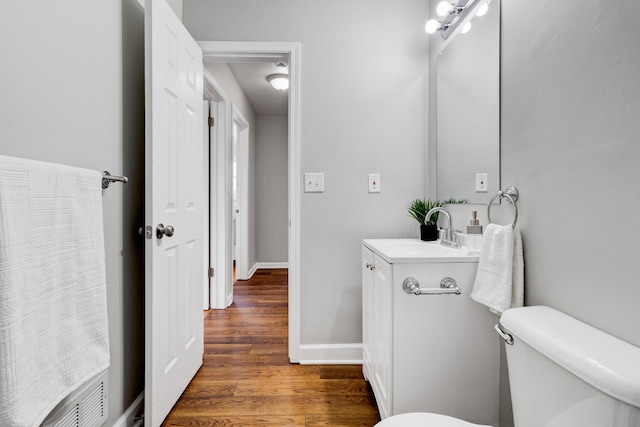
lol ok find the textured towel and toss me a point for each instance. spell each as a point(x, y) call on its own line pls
point(499, 282)
point(53, 314)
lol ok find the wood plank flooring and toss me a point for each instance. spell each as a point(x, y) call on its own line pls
point(247, 380)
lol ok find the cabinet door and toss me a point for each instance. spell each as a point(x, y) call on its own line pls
point(382, 340)
point(367, 309)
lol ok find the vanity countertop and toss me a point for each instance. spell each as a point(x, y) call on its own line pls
point(415, 250)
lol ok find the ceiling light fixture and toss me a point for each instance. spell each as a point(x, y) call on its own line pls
point(279, 81)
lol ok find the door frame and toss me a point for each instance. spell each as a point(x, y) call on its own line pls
point(221, 284)
point(250, 51)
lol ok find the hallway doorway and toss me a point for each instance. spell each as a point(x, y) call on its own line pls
point(247, 51)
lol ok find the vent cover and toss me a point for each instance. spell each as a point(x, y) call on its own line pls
point(86, 407)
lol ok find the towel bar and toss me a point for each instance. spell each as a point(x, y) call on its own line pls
point(107, 179)
point(511, 194)
point(447, 286)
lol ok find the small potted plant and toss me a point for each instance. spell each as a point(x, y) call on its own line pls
point(418, 210)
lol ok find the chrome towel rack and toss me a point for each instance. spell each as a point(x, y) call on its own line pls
point(448, 285)
point(511, 194)
point(107, 179)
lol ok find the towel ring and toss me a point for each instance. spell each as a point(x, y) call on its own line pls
point(511, 194)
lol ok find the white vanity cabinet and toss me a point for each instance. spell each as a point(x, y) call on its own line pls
point(427, 353)
point(376, 322)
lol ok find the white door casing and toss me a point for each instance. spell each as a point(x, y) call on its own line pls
point(219, 193)
point(272, 51)
point(207, 242)
point(174, 341)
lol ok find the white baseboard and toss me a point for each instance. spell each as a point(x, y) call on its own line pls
point(252, 271)
point(331, 354)
point(135, 409)
point(267, 265)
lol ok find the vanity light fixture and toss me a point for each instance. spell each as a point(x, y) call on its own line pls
point(482, 10)
point(445, 8)
point(456, 15)
point(432, 26)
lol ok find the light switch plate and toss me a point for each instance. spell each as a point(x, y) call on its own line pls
point(481, 182)
point(314, 182)
point(374, 183)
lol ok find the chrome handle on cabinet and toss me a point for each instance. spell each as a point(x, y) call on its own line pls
point(447, 286)
point(162, 231)
point(370, 266)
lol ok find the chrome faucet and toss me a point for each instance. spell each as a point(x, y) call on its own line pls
point(449, 235)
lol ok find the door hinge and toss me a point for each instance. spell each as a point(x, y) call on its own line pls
point(211, 272)
point(211, 122)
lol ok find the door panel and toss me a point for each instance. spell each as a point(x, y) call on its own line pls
point(174, 270)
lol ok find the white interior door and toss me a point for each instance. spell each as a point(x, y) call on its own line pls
point(241, 208)
point(174, 342)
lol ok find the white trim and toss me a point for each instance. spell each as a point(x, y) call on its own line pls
point(331, 354)
point(221, 292)
point(207, 282)
point(135, 409)
point(251, 271)
point(236, 51)
point(263, 265)
point(271, 265)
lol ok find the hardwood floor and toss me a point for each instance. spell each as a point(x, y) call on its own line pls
point(247, 380)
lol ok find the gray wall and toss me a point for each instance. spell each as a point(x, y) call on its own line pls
point(272, 225)
point(362, 110)
point(71, 86)
point(227, 81)
point(570, 142)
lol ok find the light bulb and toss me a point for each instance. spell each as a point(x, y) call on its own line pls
point(465, 29)
point(483, 10)
point(432, 26)
point(444, 8)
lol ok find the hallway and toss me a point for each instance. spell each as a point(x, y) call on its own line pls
point(247, 380)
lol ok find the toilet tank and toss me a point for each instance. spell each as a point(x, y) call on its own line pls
point(565, 373)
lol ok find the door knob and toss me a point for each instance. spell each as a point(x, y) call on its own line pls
point(162, 231)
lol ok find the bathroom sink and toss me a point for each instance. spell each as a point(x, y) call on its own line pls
point(415, 250)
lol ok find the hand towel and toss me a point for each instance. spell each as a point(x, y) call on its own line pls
point(53, 315)
point(499, 281)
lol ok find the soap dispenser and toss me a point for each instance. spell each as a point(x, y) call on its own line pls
point(474, 234)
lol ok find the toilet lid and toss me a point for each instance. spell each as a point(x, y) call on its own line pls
point(424, 419)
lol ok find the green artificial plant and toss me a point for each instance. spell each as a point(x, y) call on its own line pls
point(419, 208)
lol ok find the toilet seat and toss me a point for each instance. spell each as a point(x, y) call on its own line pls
point(424, 419)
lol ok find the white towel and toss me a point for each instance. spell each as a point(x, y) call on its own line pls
point(53, 314)
point(499, 282)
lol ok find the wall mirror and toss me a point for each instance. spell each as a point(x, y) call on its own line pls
point(468, 111)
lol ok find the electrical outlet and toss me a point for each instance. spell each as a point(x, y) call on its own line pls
point(374, 183)
point(314, 183)
point(481, 182)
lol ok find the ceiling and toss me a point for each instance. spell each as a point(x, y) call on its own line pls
point(252, 77)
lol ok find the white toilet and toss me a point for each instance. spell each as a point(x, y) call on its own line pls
point(562, 373)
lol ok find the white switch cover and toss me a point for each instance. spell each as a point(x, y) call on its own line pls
point(374, 183)
point(314, 183)
point(481, 182)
